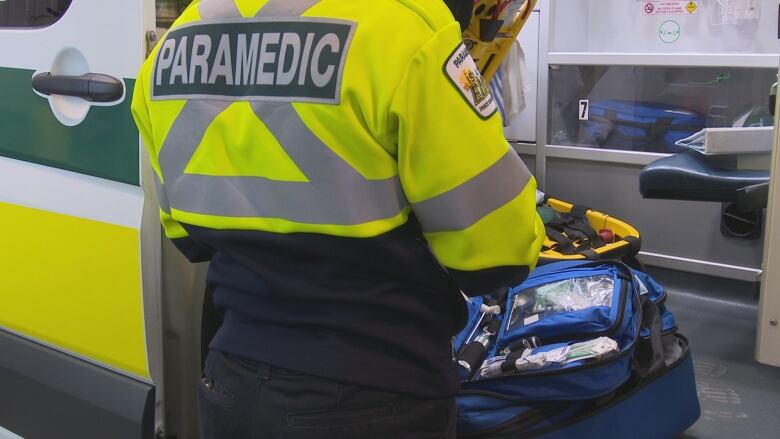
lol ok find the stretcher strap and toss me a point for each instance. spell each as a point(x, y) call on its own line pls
point(579, 211)
point(563, 245)
point(572, 227)
point(590, 254)
point(634, 242)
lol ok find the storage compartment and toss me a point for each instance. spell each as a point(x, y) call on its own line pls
point(647, 26)
point(650, 108)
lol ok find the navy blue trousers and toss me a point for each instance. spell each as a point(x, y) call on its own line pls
point(243, 400)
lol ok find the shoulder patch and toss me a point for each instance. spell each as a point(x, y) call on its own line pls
point(463, 73)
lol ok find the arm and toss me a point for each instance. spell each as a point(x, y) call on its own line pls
point(473, 196)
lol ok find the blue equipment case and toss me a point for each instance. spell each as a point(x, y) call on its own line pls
point(644, 390)
point(638, 126)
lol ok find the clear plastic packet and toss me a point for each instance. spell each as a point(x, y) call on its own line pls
point(546, 300)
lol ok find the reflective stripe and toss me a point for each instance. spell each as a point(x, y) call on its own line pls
point(185, 135)
point(463, 206)
point(317, 162)
point(162, 198)
point(335, 194)
point(209, 9)
point(285, 8)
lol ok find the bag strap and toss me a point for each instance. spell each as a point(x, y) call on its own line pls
point(654, 131)
point(660, 128)
point(610, 128)
point(651, 359)
point(538, 412)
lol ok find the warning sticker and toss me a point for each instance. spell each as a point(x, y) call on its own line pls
point(670, 7)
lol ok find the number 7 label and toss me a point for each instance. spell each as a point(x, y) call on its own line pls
point(584, 109)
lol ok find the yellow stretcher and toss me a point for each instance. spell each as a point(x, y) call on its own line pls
point(626, 245)
point(494, 27)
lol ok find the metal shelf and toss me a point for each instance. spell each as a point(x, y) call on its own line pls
point(523, 148)
point(665, 59)
point(707, 268)
point(602, 155)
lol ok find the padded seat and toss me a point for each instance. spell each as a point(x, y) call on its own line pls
point(691, 176)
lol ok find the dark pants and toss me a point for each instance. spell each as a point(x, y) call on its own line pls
point(240, 400)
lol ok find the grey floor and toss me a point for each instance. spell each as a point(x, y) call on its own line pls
point(740, 398)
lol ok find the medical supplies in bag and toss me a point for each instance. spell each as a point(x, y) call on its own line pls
point(577, 350)
point(638, 126)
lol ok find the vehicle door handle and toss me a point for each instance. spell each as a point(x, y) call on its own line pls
point(92, 87)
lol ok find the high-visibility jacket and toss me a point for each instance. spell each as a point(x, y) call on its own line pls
point(330, 157)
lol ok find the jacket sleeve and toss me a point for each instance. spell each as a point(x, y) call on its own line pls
point(174, 231)
point(473, 196)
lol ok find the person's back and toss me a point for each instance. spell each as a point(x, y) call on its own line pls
point(342, 166)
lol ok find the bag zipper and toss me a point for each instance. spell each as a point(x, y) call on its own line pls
point(661, 299)
point(589, 365)
point(526, 420)
point(525, 417)
point(638, 388)
point(607, 332)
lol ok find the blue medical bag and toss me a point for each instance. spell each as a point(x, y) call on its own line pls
point(643, 388)
point(638, 126)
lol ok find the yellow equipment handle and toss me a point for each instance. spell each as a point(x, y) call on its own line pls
point(490, 54)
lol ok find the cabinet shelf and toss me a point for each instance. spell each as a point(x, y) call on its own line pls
point(665, 59)
point(634, 158)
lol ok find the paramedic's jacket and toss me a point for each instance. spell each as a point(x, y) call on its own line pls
point(339, 163)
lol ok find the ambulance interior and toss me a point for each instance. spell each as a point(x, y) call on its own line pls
point(578, 66)
point(712, 60)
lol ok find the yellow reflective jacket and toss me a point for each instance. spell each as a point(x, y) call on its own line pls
point(397, 131)
point(345, 121)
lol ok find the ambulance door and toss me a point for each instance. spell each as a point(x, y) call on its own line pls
point(74, 361)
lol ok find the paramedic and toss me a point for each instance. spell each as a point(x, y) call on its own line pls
point(343, 168)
